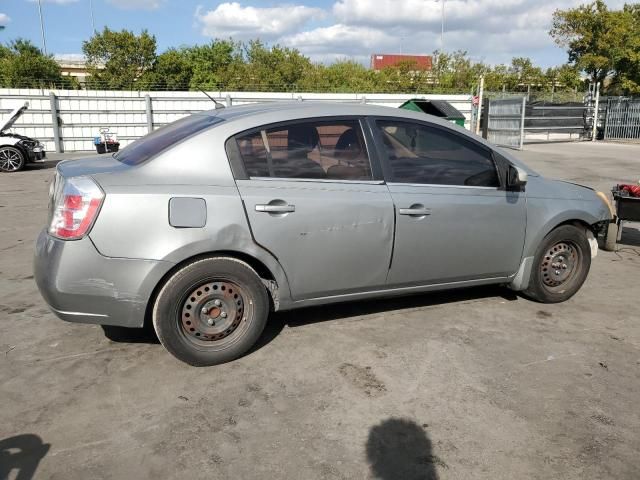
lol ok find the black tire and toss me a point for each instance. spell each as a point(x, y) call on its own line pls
point(611, 239)
point(101, 148)
point(560, 266)
point(12, 159)
point(232, 295)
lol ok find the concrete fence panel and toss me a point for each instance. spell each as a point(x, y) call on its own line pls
point(81, 113)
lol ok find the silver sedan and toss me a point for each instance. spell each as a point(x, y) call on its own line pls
point(203, 227)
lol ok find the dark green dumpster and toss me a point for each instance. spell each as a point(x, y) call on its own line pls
point(439, 108)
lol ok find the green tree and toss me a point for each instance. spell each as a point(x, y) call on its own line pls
point(215, 64)
point(591, 35)
point(497, 78)
point(117, 60)
point(564, 77)
point(172, 70)
point(456, 71)
point(627, 62)
point(22, 64)
point(349, 76)
point(275, 68)
point(525, 74)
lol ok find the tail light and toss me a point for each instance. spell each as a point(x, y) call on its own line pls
point(75, 207)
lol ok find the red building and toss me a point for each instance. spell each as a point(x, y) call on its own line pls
point(383, 60)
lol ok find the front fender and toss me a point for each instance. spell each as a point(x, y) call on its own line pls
point(544, 215)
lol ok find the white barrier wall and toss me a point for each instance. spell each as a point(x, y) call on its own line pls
point(81, 113)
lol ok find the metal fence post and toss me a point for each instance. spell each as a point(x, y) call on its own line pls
point(147, 103)
point(55, 122)
point(480, 96)
point(484, 120)
point(606, 120)
point(228, 100)
point(594, 134)
point(524, 109)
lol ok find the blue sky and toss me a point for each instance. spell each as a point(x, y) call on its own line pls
point(490, 30)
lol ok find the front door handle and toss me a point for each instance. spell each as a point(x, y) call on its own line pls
point(276, 208)
point(415, 211)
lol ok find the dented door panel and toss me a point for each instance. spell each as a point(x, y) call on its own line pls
point(329, 237)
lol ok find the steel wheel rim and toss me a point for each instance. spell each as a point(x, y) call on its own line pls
point(214, 314)
point(560, 265)
point(9, 160)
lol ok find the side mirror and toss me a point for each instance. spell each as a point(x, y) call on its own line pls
point(516, 178)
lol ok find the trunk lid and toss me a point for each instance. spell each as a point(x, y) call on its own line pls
point(91, 166)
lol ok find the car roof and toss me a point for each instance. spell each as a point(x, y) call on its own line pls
point(258, 114)
point(298, 109)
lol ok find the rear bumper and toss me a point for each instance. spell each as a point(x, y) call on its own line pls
point(81, 285)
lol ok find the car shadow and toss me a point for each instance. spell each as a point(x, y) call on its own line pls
point(42, 166)
point(21, 454)
point(326, 313)
point(399, 448)
point(341, 311)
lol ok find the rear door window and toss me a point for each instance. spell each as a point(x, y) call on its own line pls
point(327, 150)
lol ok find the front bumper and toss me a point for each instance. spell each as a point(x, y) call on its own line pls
point(81, 285)
point(38, 154)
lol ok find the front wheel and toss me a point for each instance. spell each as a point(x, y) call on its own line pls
point(611, 239)
point(211, 311)
point(11, 159)
point(561, 265)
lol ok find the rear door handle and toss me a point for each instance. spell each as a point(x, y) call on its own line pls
point(415, 211)
point(276, 208)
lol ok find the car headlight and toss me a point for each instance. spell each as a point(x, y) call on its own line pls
point(29, 144)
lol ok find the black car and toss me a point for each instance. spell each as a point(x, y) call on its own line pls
point(16, 151)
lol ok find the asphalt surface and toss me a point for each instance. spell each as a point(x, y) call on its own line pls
point(478, 384)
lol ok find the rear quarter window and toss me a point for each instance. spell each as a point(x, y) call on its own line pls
point(159, 140)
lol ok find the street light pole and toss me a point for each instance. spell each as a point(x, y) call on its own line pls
point(442, 28)
point(93, 22)
point(44, 41)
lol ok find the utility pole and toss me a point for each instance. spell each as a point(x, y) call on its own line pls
point(44, 41)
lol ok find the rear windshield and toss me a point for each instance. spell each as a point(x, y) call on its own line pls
point(159, 140)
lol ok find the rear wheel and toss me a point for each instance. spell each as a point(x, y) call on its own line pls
point(561, 265)
point(211, 311)
point(11, 159)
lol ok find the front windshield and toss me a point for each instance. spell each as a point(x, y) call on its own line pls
point(159, 140)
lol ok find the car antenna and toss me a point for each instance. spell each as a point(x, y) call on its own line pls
point(218, 104)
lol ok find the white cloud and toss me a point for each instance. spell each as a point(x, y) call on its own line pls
point(230, 19)
point(338, 41)
point(4, 19)
point(57, 2)
point(137, 4)
point(490, 30)
point(481, 15)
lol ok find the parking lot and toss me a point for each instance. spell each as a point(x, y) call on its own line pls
point(479, 383)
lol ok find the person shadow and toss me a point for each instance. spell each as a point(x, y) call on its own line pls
point(22, 453)
point(398, 449)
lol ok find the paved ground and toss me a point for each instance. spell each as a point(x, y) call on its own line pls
point(476, 384)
